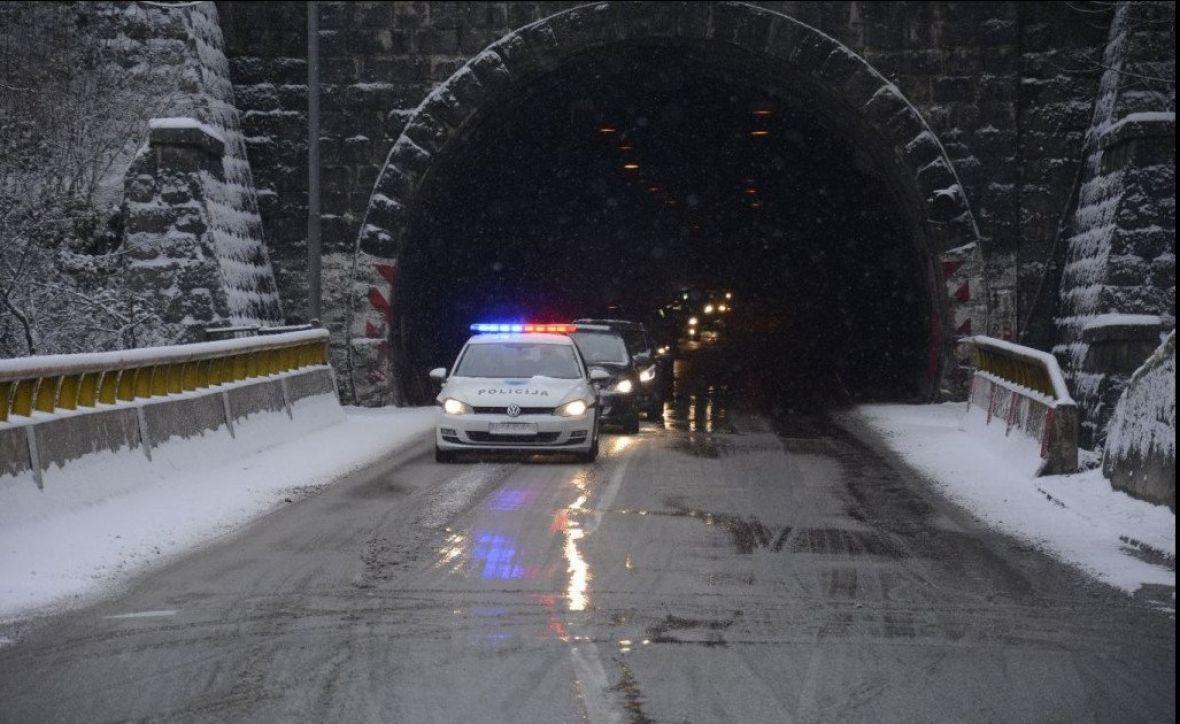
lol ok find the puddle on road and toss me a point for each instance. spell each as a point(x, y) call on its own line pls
point(698, 409)
point(701, 632)
point(748, 534)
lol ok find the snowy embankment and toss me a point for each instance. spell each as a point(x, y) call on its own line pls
point(1077, 518)
point(108, 516)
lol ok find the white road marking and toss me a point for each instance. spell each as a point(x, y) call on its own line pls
point(146, 614)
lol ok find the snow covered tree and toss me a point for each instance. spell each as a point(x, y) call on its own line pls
point(72, 113)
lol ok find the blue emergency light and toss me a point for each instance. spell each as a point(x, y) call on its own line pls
point(523, 328)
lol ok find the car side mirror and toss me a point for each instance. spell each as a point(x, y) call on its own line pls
point(643, 358)
point(597, 374)
point(439, 374)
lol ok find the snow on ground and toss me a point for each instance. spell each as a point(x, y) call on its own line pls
point(1077, 518)
point(107, 517)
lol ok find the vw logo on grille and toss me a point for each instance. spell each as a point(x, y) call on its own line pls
point(513, 410)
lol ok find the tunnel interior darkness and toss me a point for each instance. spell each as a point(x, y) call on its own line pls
point(628, 175)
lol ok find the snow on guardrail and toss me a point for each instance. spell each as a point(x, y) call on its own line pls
point(1017, 388)
point(51, 383)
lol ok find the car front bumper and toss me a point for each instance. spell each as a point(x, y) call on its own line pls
point(554, 433)
point(615, 407)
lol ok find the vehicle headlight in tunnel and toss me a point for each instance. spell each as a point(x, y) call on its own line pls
point(648, 374)
point(572, 409)
point(451, 406)
point(692, 321)
point(708, 309)
point(623, 386)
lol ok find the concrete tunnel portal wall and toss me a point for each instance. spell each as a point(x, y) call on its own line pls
point(786, 56)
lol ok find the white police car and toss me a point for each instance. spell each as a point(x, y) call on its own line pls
point(518, 387)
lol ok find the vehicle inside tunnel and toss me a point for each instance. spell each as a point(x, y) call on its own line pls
point(630, 182)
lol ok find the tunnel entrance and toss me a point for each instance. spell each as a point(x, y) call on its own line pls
point(568, 172)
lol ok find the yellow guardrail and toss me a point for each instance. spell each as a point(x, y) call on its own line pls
point(67, 382)
point(1024, 366)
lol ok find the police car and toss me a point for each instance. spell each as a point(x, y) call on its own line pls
point(521, 388)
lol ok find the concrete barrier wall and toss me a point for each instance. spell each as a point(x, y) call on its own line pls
point(44, 443)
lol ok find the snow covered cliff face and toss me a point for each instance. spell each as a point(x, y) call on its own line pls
point(1121, 247)
point(1140, 454)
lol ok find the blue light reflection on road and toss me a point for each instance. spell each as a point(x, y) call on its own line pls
point(498, 555)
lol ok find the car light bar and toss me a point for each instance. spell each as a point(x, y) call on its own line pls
point(546, 328)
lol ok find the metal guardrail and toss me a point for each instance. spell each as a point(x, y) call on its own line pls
point(29, 385)
point(1025, 390)
point(1024, 366)
point(251, 330)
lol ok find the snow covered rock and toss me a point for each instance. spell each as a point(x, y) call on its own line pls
point(1140, 456)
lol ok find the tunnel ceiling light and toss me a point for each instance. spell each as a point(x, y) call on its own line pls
point(606, 130)
point(653, 189)
point(626, 147)
point(760, 133)
point(763, 112)
point(631, 166)
point(755, 205)
point(752, 191)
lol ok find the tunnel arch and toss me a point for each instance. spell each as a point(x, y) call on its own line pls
point(799, 59)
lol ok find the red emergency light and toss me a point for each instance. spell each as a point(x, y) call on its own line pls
point(526, 328)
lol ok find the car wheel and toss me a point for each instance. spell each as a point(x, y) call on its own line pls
point(654, 411)
point(592, 454)
point(443, 456)
point(631, 426)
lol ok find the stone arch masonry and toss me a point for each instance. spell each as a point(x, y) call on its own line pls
point(1005, 86)
point(1009, 88)
point(509, 64)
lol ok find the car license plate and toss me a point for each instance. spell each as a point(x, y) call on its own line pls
point(513, 428)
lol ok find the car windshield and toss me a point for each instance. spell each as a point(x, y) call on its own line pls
point(599, 347)
point(519, 359)
point(636, 342)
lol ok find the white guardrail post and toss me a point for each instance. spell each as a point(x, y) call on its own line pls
point(1023, 388)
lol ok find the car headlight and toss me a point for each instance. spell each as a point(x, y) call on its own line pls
point(623, 386)
point(648, 374)
point(572, 409)
point(451, 406)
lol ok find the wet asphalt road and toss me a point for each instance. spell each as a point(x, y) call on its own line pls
point(712, 568)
